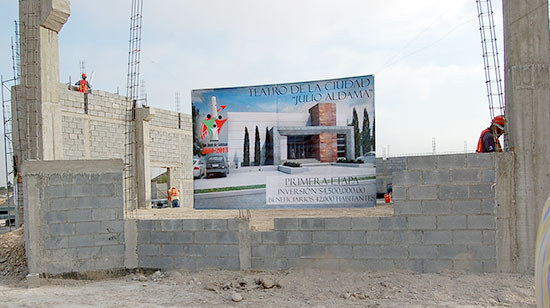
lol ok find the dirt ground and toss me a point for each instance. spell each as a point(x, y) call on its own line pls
point(293, 288)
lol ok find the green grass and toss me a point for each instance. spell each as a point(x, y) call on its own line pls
point(237, 188)
point(234, 188)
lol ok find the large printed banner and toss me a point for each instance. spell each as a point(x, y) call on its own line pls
point(294, 145)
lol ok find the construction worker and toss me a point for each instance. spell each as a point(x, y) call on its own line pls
point(174, 196)
point(488, 141)
point(83, 84)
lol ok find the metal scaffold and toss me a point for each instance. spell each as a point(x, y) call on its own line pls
point(9, 97)
point(493, 80)
point(132, 92)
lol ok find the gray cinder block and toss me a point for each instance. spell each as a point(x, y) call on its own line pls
point(88, 227)
point(192, 224)
point(421, 222)
point(312, 224)
point(394, 252)
point(193, 250)
point(365, 223)
point(485, 222)
point(423, 252)
point(283, 224)
point(215, 224)
point(453, 252)
point(276, 237)
point(79, 215)
point(451, 161)
point(436, 207)
point(451, 222)
point(300, 237)
point(228, 237)
point(408, 237)
point(352, 237)
point(466, 207)
point(205, 237)
point(61, 229)
point(343, 223)
point(287, 251)
point(325, 237)
point(313, 251)
point(263, 251)
point(171, 250)
point(339, 251)
point(467, 237)
point(407, 208)
point(429, 192)
point(452, 192)
point(148, 250)
point(81, 241)
point(421, 162)
point(183, 237)
point(437, 176)
point(466, 175)
point(437, 237)
point(482, 191)
point(407, 178)
point(162, 237)
point(393, 223)
point(379, 237)
point(171, 225)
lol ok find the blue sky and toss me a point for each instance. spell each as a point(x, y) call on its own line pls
point(425, 56)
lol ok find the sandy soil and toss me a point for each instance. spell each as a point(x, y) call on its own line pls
point(294, 288)
point(261, 220)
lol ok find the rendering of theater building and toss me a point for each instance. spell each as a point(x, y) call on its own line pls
point(257, 142)
point(315, 134)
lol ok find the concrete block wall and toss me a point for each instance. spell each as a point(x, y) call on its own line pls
point(444, 219)
point(98, 132)
point(385, 169)
point(74, 217)
point(189, 244)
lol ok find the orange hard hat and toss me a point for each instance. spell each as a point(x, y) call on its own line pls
point(84, 75)
point(499, 121)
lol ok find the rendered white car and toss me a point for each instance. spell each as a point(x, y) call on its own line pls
point(199, 170)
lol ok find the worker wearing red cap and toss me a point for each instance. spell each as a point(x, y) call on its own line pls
point(83, 84)
point(488, 141)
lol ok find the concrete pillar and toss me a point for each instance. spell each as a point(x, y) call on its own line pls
point(142, 163)
point(37, 129)
point(41, 21)
point(527, 85)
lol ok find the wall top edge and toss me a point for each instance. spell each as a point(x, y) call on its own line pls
point(72, 166)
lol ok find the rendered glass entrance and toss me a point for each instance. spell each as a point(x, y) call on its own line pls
point(300, 147)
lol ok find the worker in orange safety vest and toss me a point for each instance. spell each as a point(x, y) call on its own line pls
point(488, 141)
point(83, 84)
point(174, 196)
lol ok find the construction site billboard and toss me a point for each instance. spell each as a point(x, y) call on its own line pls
point(293, 145)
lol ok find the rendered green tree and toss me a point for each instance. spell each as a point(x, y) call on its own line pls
point(365, 134)
point(246, 149)
point(372, 140)
point(356, 133)
point(197, 144)
point(257, 151)
point(268, 148)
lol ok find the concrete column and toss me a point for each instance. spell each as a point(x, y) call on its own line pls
point(37, 127)
point(142, 165)
point(41, 22)
point(527, 85)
